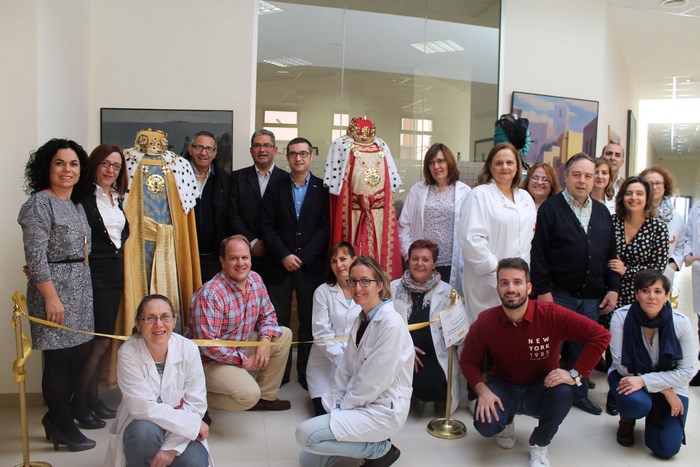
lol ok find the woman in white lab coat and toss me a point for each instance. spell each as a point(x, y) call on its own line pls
point(333, 313)
point(691, 256)
point(497, 220)
point(431, 211)
point(371, 393)
point(663, 187)
point(164, 397)
point(419, 296)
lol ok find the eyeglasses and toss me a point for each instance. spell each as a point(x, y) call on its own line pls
point(362, 282)
point(266, 146)
point(200, 148)
point(657, 184)
point(302, 154)
point(542, 180)
point(151, 319)
point(116, 166)
point(437, 162)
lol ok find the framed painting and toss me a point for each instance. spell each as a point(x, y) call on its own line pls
point(631, 149)
point(481, 149)
point(119, 126)
point(559, 127)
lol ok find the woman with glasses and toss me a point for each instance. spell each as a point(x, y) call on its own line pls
point(431, 211)
point(663, 188)
point(497, 220)
point(56, 238)
point(160, 375)
point(420, 296)
point(603, 190)
point(371, 392)
point(541, 182)
point(653, 351)
point(332, 316)
point(109, 232)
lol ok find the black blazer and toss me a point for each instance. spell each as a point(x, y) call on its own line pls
point(283, 234)
point(245, 201)
point(102, 246)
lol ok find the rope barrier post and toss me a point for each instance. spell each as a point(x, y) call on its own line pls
point(20, 375)
point(448, 428)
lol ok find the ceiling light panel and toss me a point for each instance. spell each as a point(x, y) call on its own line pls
point(285, 62)
point(437, 47)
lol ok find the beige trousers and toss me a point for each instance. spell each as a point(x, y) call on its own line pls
point(233, 388)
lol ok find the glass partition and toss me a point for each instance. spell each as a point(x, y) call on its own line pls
point(422, 71)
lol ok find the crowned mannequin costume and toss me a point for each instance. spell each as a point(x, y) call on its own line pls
point(162, 255)
point(361, 177)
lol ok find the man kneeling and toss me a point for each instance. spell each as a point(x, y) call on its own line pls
point(234, 305)
point(523, 338)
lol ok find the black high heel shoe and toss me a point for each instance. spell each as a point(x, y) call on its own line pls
point(87, 421)
point(58, 439)
point(48, 424)
point(102, 411)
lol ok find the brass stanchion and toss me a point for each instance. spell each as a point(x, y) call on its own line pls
point(448, 428)
point(20, 375)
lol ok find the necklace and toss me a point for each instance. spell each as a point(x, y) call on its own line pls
point(372, 176)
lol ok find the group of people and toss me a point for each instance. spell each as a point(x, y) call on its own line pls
point(524, 254)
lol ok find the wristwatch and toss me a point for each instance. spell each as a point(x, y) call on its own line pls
point(576, 376)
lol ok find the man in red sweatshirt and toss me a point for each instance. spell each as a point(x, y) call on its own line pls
point(523, 338)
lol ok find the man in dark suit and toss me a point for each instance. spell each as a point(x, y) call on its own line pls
point(247, 188)
point(295, 225)
point(212, 201)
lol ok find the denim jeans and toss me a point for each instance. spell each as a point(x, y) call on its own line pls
point(550, 405)
point(663, 435)
point(143, 439)
point(571, 351)
point(320, 448)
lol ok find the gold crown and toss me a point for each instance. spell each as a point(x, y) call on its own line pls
point(362, 130)
point(151, 142)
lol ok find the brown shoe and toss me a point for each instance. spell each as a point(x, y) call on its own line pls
point(625, 432)
point(387, 459)
point(275, 405)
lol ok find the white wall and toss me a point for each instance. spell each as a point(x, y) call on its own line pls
point(174, 54)
point(565, 48)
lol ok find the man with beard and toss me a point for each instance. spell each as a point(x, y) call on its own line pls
point(523, 337)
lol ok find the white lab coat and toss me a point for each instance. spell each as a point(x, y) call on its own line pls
point(439, 302)
point(676, 238)
point(331, 317)
point(182, 386)
point(492, 228)
point(411, 225)
point(373, 384)
point(692, 247)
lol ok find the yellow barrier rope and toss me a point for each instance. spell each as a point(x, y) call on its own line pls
point(199, 342)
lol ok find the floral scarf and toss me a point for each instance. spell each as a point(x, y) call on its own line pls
point(402, 301)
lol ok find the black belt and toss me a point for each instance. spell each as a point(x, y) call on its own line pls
point(80, 260)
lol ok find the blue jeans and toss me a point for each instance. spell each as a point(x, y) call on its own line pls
point(571, 351)
point(550, 405)
point(143, 439)
point(662, 434)
point(320, 448)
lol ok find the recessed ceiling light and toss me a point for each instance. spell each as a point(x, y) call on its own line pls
point(285, 62)
point(265, 8)
point(436, 47)
point(673, 3)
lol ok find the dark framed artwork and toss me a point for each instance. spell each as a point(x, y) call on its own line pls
point(631, 148)
point(119, 126)
point(481, 149)
point(559, 127)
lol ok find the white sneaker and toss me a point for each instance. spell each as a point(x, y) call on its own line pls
point(539, 456)
point(506, 438)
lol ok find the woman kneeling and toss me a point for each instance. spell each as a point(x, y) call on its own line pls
point(653, 350)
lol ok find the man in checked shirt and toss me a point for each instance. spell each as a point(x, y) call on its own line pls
point(234, 305)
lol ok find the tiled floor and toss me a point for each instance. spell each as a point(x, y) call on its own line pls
point(255, 439)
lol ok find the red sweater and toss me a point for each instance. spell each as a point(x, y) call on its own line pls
point(529, 350)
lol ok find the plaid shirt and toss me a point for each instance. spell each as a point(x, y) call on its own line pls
point(220, 310)
point(583, 214)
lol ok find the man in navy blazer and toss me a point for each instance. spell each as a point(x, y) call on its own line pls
point(295, 224)
point(247, 188)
